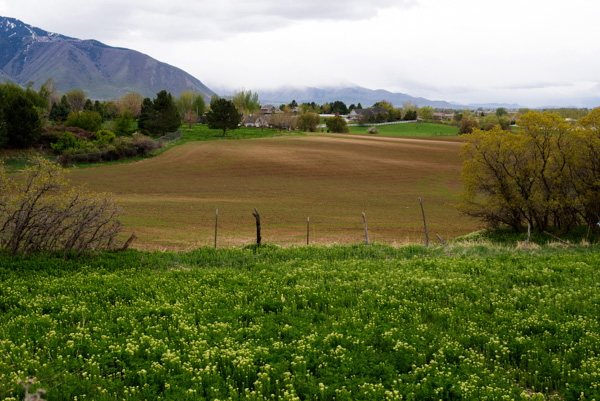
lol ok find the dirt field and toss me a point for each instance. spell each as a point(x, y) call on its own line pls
point(170, 200)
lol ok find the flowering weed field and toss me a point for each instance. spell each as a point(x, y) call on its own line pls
point(309, 323)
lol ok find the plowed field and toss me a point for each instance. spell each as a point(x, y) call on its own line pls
point(170, 200)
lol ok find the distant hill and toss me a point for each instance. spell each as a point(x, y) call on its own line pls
point(103, 72)
point(366, 97)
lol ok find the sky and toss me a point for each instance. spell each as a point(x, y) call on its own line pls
point(533, 53)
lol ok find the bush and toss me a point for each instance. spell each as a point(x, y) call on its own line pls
point(308, 122)
point(104, 137)
point(66, 140)
point(467, 125)
point(86, 120)
point(144, 144)
point(40, 213)
point(337, 124)
point(51, 134)
point(122, 125)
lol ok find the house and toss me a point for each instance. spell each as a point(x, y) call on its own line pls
point(269, 109)
point(256, 120)
point(357, 114)
point(443, 116)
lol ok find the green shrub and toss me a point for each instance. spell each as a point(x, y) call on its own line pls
point(104, 137)
point(67, 141)
point(337, 124)
point(87, 120)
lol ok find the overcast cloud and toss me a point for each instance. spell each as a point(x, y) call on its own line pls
point(530, 52)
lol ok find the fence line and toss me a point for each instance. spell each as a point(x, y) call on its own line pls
point(388, 123)
point(170, 137)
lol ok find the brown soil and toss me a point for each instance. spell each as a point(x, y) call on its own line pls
point(170, 200)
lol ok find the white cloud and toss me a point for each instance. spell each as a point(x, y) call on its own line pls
point(203, 19)
point(535, 52)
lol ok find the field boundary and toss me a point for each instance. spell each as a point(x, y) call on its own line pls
point(388, 123)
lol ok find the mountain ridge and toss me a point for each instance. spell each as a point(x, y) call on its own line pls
point(30, 54)
point(365, 96)
point(348, 95)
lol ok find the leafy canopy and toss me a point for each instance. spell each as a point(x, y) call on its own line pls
point(548, 175)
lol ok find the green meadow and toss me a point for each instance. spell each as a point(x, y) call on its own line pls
point(409, 129)
point(307, 323)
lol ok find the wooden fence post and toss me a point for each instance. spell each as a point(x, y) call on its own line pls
point(366, 231)
point(424, 223)
point(216, 225)
point(528, 235)
point(308, 230)
point(442, 241)
point(128, 242)
point(257, 217)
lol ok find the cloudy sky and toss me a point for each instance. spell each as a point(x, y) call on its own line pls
point(531, 52)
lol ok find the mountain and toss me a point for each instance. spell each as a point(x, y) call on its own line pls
point(29, 54)
point(352, 95)
point(493, 106)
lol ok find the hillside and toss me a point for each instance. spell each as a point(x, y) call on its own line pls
point(29, 54)
point(349, 95)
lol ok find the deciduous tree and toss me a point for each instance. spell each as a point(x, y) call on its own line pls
point(131, 102)
point(76, 99)
point(285, 120)
point(337, 124)
point(199, 105)
point(467, 125)
point(426, 113)
point(547, 175)
point(190, 118)
point(246, 102)
point(308, 122)
point(185, 102)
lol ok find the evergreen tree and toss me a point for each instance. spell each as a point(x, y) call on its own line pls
point(3, 131)
point(339, 107)
point(159, 116)
point(89, 105)
point(60, 111)
point(22, 121)
point(223, 115)
point(146, 115)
